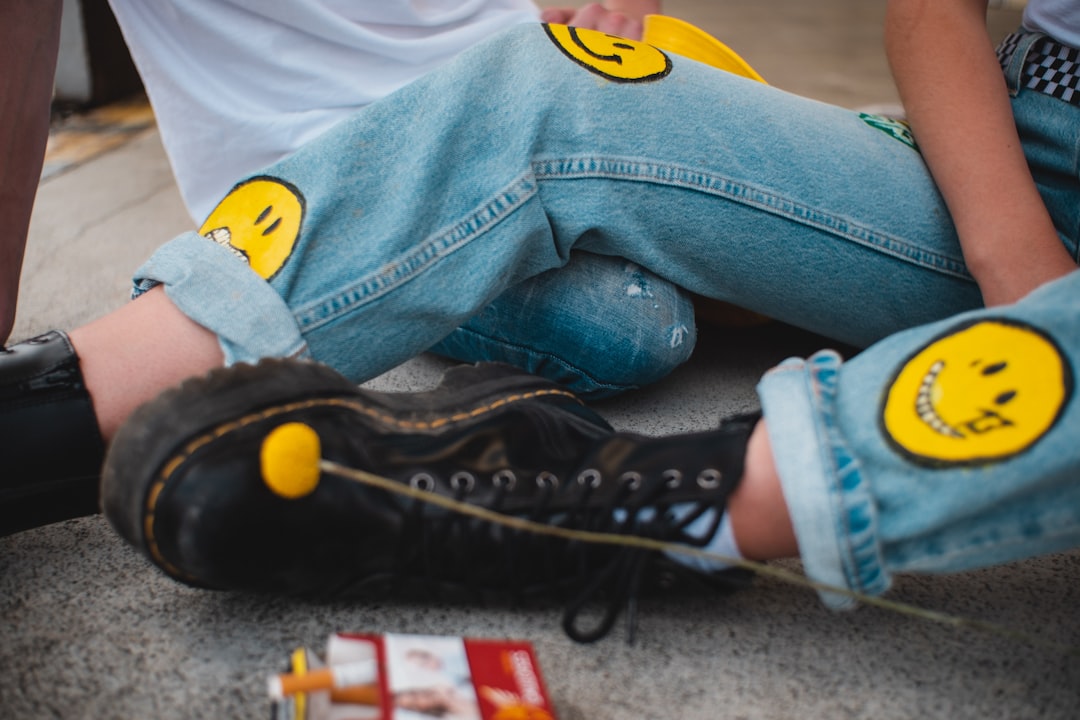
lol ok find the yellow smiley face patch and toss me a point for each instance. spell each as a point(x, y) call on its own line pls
point(610, 56)
point(980, 393)
point(259, 221)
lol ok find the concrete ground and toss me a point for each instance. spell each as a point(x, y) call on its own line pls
point(88, 629)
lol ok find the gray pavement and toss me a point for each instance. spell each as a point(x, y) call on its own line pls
point(88, 629)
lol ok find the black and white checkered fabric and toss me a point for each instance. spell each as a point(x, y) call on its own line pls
point(1050, 67)
point(1006, 48)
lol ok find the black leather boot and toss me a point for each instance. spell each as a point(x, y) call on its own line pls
point(50, 447)
point(185, 483)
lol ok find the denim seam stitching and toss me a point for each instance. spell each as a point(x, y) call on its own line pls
point(416, 259)
point(617, 168)
point(864, 564)
point(1076, 172)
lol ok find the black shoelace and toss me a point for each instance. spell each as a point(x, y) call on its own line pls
point(442, 549)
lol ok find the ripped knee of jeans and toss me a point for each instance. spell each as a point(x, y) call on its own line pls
point(599, 325)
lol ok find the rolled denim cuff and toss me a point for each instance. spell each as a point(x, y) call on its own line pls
point(829, 499)
point(220, 292)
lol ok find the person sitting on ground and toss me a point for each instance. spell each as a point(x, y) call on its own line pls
point(535, 143)
point(940, 448)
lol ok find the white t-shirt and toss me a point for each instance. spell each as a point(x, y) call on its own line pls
point(1060, 19)
point(239, 84)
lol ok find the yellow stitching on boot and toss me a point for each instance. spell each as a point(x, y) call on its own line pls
point(191, 447)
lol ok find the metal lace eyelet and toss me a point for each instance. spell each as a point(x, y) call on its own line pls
point(631, 479)
point(504, 479)
point(672, 478)
point(422, 481)
point(709, 479)
point(463, 481)
point(546, 479)
point(590, 477)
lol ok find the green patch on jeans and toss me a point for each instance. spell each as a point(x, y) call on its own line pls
point(898, 129)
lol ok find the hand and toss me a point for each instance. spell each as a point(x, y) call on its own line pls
point(616, 17)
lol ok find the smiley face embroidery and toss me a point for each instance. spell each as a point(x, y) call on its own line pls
point(259, 221)
point(610, 56)
point(983, 392)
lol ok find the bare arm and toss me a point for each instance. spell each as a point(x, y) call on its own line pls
point(618, 17)
point(956, 100)
point(29, 38)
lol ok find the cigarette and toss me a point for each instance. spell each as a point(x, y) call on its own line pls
point(334, 677)
point(356, 695)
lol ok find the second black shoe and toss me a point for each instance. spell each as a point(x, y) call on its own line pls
point(50, 447)
point(192, 481)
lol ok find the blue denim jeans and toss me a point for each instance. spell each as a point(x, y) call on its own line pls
point(386, 234)
point(886, 471)
point(405, 221)
point(942, 448)
point(548, 326)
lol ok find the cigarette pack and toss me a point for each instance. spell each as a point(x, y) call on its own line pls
point(412, 677)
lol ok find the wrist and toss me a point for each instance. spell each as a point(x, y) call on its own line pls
point(1012, 261)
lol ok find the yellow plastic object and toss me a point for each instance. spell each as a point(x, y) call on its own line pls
point(682, 38)
point(289, 460)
